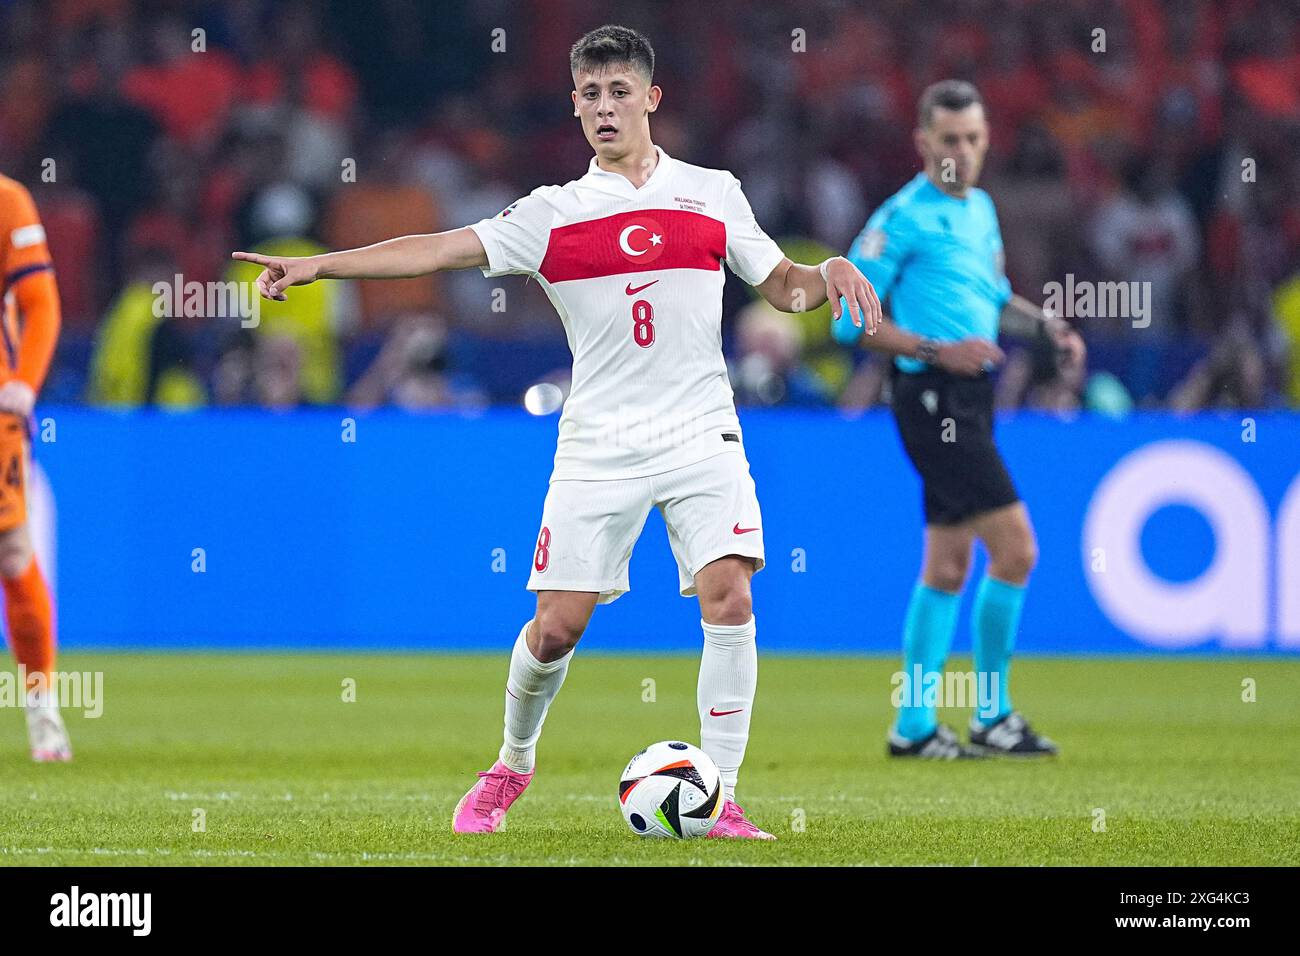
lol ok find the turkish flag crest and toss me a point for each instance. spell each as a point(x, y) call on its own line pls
point(641, 240)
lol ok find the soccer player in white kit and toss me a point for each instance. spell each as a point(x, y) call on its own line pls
point(631, 257)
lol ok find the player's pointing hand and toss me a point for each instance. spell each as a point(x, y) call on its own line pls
point(280, 272)
point(844, 279)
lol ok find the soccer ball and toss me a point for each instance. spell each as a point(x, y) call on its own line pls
point(671, 790)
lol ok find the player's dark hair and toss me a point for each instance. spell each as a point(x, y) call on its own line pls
point(613, 45)
point(948, 95)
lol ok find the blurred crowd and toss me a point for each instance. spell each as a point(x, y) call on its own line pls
point(1153, 141)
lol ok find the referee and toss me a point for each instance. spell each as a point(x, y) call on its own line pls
point(935, 249)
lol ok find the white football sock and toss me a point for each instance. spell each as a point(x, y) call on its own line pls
point(530, 689)
point(725, 695)
point(42, 696)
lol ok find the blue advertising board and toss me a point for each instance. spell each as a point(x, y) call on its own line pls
point(245, 530)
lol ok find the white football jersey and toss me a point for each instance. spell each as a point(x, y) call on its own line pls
point(636, 276)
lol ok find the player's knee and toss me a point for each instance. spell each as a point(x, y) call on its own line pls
point(948, 573)
point(731, 606)
point(557, 633)
point(1014, 562)
point(15, 556)
point(949, 579)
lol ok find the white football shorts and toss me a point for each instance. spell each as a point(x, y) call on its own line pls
point(589, 527)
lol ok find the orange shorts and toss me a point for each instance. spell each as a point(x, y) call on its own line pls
point(13, 472)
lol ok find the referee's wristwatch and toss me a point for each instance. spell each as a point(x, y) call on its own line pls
point(927, 351)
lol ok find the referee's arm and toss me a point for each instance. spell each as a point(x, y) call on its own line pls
point(1022, 319)
point(970, 356)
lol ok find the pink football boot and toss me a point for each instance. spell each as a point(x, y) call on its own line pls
point(732, 824)
point(483, 809)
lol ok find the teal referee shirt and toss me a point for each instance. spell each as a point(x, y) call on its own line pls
point(939, 259)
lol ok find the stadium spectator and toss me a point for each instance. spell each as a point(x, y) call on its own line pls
point(1286, 306)
point(1147, 234)
point(186, 87)
point(277, 371)
point(141, 354)
point(410, 370)
point(282, 215)
point(767, 369)
point(1033, 377)
point(232, 373)
point(1105, 164)
point(1233, 376)
point(382, 203)
point(100, 141)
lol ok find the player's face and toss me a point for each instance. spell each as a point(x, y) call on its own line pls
point(953, 147)
point(614, 105)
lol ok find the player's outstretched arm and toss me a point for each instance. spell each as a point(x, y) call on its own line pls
point(795, 288)
point(401, 258)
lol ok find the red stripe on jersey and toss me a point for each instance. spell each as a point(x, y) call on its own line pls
point(643, 241)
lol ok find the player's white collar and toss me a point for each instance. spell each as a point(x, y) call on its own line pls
point(604, 176)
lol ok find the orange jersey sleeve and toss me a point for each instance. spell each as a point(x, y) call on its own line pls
point(31, 298)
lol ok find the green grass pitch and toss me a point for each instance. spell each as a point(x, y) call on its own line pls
point(286, 772)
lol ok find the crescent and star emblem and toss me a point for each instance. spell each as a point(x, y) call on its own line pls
point(625, 240)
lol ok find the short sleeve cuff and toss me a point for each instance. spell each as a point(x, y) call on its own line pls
point(768, 263)
point(495, 255)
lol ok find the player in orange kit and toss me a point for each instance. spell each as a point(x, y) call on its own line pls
point(30, 329)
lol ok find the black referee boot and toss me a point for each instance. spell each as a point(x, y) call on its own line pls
point(940, 745)
point(1011, 736)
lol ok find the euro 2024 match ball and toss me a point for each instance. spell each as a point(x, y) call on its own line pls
point(671, 790)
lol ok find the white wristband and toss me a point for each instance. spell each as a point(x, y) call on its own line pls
point(822, 269)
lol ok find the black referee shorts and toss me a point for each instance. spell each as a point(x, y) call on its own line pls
point(946, 424)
